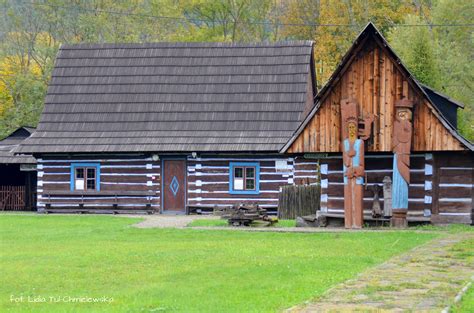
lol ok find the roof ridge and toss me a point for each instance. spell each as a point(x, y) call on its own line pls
point(180, 44)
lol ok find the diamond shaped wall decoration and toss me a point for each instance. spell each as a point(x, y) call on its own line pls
point(174, 186)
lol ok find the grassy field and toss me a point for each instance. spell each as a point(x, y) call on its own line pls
point(466, 305)
point(465, 250)
point(175, 270)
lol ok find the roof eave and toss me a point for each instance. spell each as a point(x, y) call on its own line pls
point(457, 103)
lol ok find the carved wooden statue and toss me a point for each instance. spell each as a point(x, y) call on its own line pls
point(401, 143)
point(376, 208)
point(353, 159)
point(387, 196)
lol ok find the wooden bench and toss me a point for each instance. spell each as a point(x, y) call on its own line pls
point(197, 209)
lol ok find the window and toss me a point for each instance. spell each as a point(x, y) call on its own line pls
point(244, 178)
point(85, 176)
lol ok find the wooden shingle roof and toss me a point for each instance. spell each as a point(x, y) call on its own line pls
point(174, 97)
point(10, 143)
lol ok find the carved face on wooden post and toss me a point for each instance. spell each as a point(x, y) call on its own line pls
point(349, 115)
point(403, 114)
point(352, 130)
point(402, 133)
point(401, 143)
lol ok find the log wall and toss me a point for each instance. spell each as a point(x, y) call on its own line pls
point(306, 171)
point(123, 180)
point(208, 181)
point(441, 189)
point(377, 167)
point(453, 188)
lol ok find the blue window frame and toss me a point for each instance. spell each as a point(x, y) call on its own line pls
point(85, 176)
point(244, 178)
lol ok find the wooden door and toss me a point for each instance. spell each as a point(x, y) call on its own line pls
point(174, 185)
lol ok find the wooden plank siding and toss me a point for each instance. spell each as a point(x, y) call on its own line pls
point(120, 178)
point(376, 81)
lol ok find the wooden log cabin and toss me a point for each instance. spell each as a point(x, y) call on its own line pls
point(442, 162)
point(170, 127)
point(17, 174)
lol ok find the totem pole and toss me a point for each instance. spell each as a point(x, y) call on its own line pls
point(401, 145)
point(353, 159)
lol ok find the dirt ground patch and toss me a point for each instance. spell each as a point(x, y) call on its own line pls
point(165, 221)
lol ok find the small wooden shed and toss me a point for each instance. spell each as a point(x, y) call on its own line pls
point(17, 174)
point(442, 161)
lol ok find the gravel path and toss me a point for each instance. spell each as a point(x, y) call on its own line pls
point(166, 221)
point(180, 221)
point(426, 279)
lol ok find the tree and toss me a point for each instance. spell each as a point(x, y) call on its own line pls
point(455, 52)
point(341, 21)
point(416, 47)
point(21, 95)
point(441, 57)
point(32, 31)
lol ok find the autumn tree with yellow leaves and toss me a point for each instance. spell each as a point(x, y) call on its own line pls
point(32, 31)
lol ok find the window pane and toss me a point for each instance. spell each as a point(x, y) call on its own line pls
point(91, 173)
point(238, 184)
point(79, 173)
point(250, 172)
point(238, 172)
point(79, 184)
point(91, 184)
point(250, 184)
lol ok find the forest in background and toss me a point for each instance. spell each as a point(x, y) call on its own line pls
point(434, 38)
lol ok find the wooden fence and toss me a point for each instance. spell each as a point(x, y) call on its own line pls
point(298, 200)
point(12, 198)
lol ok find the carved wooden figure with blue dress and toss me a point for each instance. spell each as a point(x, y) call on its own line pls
point(353, 168)
point(401, 144)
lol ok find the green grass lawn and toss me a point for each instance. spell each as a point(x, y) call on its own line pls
point(466, 305)
point(221, 223)
point(177, 270)
point(465, 250)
